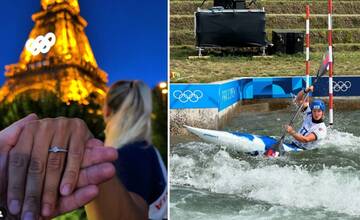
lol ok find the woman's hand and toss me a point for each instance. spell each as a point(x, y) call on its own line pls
point(29, 160)
point(95, 170)
point(36, 175)
point(300, 97)
point(309, 89)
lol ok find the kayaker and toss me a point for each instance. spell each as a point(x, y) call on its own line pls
point(313, 128)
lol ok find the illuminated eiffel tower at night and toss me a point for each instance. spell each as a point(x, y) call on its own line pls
point(57, 57)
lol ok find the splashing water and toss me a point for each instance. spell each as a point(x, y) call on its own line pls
point(211, 182)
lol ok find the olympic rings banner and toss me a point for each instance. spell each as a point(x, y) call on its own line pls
point(194, 96)
point(224, 94)
point(342, 86)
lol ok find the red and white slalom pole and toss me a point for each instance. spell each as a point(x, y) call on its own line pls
point(307, 39)
point(331, 117)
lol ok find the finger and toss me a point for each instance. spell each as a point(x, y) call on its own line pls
point(98, 155)
point(18, 162)
point(77, 199)
point(96, 174)
point(3, 180)
point(93, 142)
point(37, 168)
point(9, 136)
point(79, 136)
point(55, 167)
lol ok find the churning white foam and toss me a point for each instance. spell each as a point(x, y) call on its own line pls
point(342, 141)
point(331, 188)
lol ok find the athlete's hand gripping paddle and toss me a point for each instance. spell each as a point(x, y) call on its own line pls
point(278, 146)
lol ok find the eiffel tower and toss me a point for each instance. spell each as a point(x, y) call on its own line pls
point(57, 57)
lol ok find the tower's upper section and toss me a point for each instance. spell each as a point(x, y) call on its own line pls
point(57, 39)
point(46, 4)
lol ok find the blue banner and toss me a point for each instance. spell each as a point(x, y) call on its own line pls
point(342, 86)
point(194, 96)
point(229, 94)
point(223, 95)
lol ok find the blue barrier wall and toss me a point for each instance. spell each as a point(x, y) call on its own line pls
point(222, 95)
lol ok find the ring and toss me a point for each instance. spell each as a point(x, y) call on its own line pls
point(57, 149)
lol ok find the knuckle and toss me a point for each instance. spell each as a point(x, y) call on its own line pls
point(32, 200)
point(62, 123)
point(36, 166)
point(46, 124)
point(33, 123)
point(81, 128)
point(76, 154)
point(54, 162)
point(30, 127)
point(71, 175)
point(50, 193)
point(46, 120)
point(15, 189)
point(79, 124)
point(61, 118)
point(18, 160)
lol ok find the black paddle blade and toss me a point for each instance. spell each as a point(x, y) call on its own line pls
point(324, 65)
point(280, 147)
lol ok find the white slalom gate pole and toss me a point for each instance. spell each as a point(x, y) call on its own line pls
point(331, 117)
point(307, 61)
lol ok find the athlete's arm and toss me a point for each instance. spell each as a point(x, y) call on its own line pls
point(304, 139)
point(299, 137)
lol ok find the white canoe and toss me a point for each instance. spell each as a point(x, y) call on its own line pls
point(241, 142)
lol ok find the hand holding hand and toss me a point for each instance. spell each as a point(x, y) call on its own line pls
point(35, 173)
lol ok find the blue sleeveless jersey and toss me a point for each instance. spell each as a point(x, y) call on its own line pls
point(139, 170)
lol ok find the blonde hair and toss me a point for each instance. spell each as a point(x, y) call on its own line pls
point(130, 106)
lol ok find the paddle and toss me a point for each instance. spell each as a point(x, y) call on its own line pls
point(278, 146)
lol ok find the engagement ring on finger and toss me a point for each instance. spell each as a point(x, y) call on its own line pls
point(57, 149)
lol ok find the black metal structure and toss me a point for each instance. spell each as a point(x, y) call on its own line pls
point(288, 41)
point(230, 28)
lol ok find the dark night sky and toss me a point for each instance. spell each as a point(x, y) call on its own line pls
point(128, 37)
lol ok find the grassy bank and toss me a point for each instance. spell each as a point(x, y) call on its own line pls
point(226, 66)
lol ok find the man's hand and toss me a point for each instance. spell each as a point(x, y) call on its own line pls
point(8, 139)
point(9, 136)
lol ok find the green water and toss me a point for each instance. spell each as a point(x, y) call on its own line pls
point(212, 182)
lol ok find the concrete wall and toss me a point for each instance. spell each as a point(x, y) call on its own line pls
point(205, 118)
